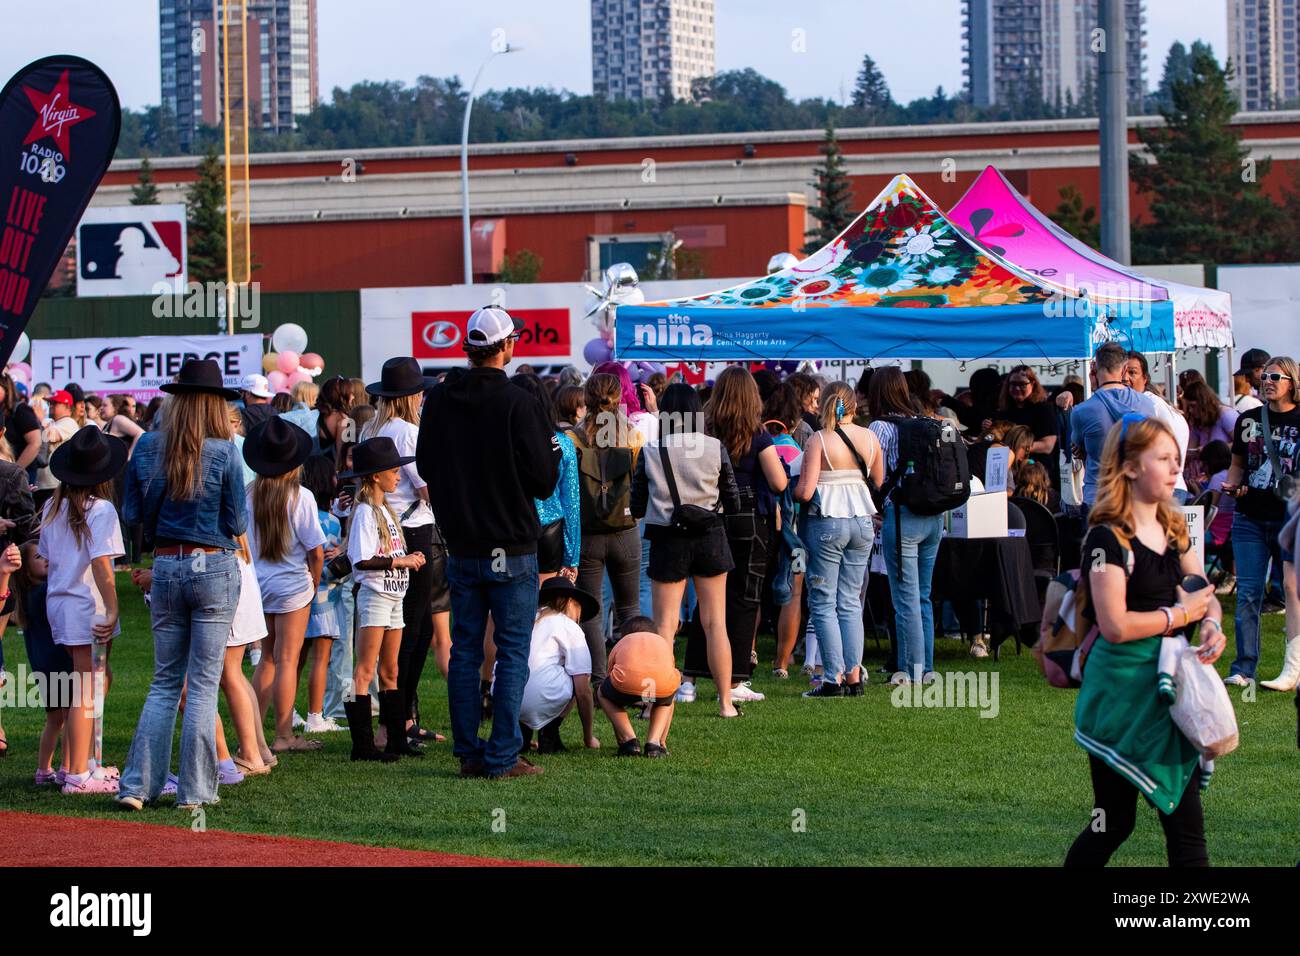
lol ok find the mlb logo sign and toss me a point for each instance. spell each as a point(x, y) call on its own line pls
point(130, 250)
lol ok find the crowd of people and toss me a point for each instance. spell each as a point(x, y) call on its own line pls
point(547, 540)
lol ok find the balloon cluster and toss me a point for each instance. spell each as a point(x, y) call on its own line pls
point(18, 369)
point(621, 288)
point(288, 364)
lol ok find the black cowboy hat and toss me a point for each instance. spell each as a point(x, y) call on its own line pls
point(202, 376)
point(373, 456)
point(559, 584)
point(1252, 359)
point(90, 457)
point(276, 447)
point(401, 377)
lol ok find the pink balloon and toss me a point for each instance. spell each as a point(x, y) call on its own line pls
point(299, 376)
point(25, 367)
point(20, 374)
point(288, 362)
point(278, 381)
point(311, 360)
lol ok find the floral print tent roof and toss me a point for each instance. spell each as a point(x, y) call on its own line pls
point(901, 253)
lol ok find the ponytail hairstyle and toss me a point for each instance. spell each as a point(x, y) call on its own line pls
point(271, 501)
point(79, 499)
point(838, 401)
point(604, 400)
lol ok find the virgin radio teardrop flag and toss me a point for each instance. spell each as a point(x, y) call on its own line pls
point(59, 120)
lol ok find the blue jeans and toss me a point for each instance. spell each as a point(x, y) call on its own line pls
point(647, 602)
point(192, 614)
point(510, 594)
point(838, 552)
point(1254, 544)
point(909, 583)
point(338, 684)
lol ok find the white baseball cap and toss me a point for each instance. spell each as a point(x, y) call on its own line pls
point(490, 325)
point(256, 385)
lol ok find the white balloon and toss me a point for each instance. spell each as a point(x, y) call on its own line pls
point(21, 348)
point(289, 337)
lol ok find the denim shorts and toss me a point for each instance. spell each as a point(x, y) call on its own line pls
point(379, 610)
point(676, 557)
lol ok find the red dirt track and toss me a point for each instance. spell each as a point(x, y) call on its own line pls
point(35, 839)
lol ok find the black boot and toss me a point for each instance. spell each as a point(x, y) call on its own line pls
point(363, 735)
point(393, 714)
point(548, 738)
point(485, 694)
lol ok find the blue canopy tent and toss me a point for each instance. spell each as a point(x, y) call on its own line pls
point(900, 281)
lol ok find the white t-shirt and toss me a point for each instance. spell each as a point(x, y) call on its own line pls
point(1182, 432)
point(286, 584)
point(558, 654)
point(67, 427)
point(363, 544)
point(72, 599)
point(409, 482)
point(250, 621)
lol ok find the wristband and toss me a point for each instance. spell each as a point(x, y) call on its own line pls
point(1211, 620)
point(1169, 621)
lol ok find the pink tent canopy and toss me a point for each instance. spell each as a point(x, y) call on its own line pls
point(995, 213)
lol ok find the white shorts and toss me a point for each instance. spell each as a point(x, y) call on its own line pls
point(250, 623)
point(286, 603)
point(376, 609)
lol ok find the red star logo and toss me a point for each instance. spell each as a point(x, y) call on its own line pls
point(55, 114)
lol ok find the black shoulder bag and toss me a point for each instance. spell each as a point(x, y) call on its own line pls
point(690, 520)
point(1284, 486)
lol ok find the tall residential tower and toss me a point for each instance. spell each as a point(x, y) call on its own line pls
point(649, 49)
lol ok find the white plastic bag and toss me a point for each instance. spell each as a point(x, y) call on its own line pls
point(1071, 480)
point(1202, 710)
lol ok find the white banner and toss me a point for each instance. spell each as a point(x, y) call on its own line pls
point(1195, 517)
point(429, 321)
point(137, 366)
point(1265, 305)
point(127, 250)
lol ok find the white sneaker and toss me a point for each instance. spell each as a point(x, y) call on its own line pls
point(899, 679)
point(255, 656)
point(1237, 680)
point(929, 677)
point(297, 720)
point(685, 693)
point(744, 692)
point(980, 646)
point(320, 724)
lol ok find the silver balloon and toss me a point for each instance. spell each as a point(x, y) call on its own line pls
point(622, 287)
point(780, 262)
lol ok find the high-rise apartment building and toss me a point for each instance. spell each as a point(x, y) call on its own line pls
point(1010, 44)
point(281, 67)
point(1262, 46)
point(646, 49)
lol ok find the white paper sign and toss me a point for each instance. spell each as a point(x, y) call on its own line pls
point(995, 469)
point(1195, 517)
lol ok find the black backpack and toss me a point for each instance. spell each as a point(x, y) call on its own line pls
point(932, 475)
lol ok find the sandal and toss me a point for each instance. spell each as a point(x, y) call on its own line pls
point(298, 744)
point(780, 673)
point(417, 733)
point(248, 770)
point(44, 777)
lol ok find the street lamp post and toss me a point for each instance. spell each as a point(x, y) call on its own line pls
point(464, 163)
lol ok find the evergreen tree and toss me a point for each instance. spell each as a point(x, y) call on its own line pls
point(206, 220)
point(144, 192)
point(834, 194)
point(1077, 219)
point(524, 266)
point(871, 92)
point(1205, 196)
point(1178, 69)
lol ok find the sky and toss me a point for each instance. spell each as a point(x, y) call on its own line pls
point(917, 43)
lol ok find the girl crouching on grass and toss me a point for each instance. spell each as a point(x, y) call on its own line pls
point(381, 568)
point(49, 663)
point(559, 666)
point(80, 540)
point(287, 548)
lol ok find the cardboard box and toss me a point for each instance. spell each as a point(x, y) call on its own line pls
point(982, 516)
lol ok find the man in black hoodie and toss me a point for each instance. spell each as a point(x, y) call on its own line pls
point(486, 450)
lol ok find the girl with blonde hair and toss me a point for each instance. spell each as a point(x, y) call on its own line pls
point(1134, 559)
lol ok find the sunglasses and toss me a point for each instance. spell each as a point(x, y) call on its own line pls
point(1020, 383)
point(1274, 377)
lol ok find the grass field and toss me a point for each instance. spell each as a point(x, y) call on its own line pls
point(794, 782)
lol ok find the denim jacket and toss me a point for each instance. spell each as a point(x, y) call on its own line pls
point(215, 517)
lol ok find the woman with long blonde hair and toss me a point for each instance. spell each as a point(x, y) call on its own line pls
point(734, 416)
point(1134, 560)
point(185, 484)
point(381, 568)
point(426, 605)
point(287, 546)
